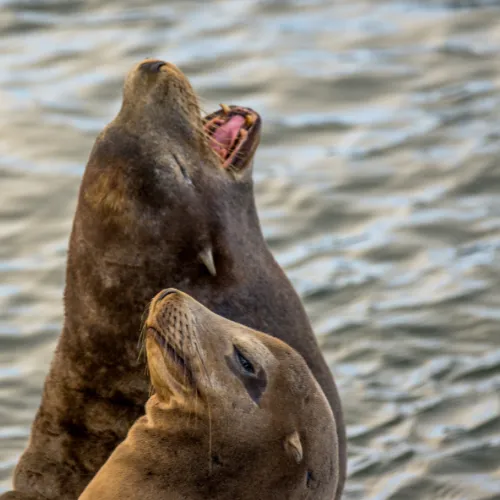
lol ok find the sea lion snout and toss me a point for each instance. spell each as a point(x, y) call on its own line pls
point(158, 298)
point(167, 307)
point(156, 66)
point(171, 341)
point(152, 66)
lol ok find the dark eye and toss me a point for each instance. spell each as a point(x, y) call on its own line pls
point(247, 366)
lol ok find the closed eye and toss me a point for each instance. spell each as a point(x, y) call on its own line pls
point(244, 362)
point(253, 377)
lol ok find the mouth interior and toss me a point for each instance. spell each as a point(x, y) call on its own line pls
point(231, 132)
point(184, 373)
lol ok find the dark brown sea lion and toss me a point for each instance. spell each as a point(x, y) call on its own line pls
point(166, 200)
point(236, 415)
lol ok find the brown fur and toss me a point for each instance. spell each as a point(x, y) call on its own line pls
point(205, 435)
point(153, 196)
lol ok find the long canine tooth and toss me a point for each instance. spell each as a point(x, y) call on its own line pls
point(225, 108)
point(249, 120)
point(207, 258)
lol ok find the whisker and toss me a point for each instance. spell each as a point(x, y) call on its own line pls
point(209, 436)
point(141, 342)
point(209, 409)
point(195, 404)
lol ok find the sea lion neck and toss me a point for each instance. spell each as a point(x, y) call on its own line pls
point(171, 416)
point(236, 232)
point(159, 124)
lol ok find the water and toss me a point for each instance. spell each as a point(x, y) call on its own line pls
point(377, 186)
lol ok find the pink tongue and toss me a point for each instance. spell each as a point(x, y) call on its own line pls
point(226, 134)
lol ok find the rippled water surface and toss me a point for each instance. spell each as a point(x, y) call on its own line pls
point(377, 183)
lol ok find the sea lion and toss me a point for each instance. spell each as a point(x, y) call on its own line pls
point(236, 415)
point(166, 200)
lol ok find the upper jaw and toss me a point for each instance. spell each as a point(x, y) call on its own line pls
point(237, 150)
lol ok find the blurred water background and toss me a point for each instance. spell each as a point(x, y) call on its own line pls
point(376, 181)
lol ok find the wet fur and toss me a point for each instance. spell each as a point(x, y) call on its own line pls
point(208, 438)
point(138, 228)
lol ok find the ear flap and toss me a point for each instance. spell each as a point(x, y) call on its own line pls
point(293, 447)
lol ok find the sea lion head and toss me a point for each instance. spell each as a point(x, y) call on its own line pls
point(261, 425)
point(160, 172)
point(159, 96)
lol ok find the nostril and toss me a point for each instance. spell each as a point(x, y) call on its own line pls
point(166, 292)
point(152, 66)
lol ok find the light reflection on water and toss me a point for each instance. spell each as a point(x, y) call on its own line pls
point(377, 187)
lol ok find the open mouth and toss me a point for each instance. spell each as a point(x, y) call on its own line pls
point(234, 134)
point(180, 366)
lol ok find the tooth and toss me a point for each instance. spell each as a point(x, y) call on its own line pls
point(225, 108)
point(249, 120)
point(207, 258)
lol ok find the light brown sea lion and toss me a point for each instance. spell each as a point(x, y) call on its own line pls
point(166, 200)
point(236, 415)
